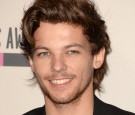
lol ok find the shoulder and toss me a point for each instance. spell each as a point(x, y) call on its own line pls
point(117, 111)
point(103, 108)
point(36, 111)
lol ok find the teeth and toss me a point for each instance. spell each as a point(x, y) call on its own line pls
point(59, 82)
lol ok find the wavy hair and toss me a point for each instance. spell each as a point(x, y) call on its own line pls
point(77, 12)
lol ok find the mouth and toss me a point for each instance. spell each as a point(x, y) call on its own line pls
point(60, 81)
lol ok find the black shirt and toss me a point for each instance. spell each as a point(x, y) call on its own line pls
point(100, 108)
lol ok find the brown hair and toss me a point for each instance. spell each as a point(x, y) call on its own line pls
point(76, 12)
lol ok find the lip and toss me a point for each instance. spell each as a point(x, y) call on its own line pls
point(60, 82)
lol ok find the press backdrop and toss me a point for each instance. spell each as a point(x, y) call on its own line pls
point(17, 95)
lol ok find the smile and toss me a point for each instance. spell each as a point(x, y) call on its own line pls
point(60, 81)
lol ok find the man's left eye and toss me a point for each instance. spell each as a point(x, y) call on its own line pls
point(73, 52)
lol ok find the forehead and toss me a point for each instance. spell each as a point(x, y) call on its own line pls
point(65, 28)
point(59, 33)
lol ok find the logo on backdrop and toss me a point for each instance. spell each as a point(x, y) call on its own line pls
point(13, 38)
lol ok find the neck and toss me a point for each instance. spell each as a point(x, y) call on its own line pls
point(83, 105)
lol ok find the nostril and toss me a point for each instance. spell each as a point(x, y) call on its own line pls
point(58, 65)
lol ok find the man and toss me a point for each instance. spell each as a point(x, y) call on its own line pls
point(67, 46)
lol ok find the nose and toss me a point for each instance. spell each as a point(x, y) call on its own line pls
point(58, 64)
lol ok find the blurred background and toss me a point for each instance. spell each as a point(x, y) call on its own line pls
point(17, 95)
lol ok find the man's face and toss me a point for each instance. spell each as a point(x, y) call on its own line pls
point(62, 61)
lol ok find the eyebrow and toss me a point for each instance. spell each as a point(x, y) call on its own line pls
point(65, 47)
point(40, 47)
point(73, 45)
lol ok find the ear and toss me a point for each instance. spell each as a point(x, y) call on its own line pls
point(31, 63)
point(99, 59)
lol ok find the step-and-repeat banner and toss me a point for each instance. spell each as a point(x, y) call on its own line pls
point(18, 94)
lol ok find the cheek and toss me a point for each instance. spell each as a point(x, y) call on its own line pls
point(86, 71)
point(40, 67)
point(81, 67)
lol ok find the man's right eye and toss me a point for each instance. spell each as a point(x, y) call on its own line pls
point(43, 54)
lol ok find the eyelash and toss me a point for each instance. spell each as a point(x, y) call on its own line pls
point(73, 52)
point(43, 54)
